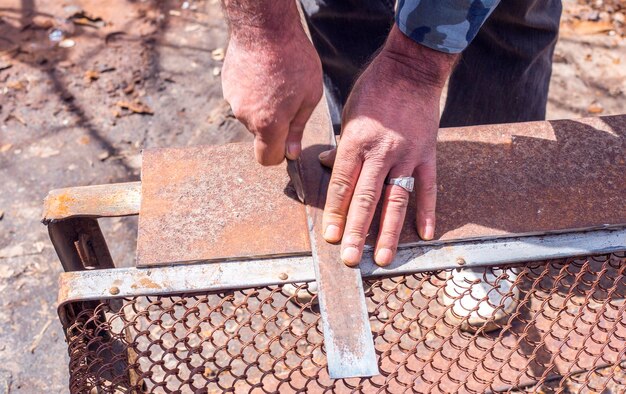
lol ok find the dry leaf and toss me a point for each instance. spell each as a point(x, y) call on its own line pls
point(42, 22)
point(16, 85)
point(218, 54)
point(16, 117)
point(84, 140)
point(130, 88)
point(103, 155)
point(91, 75)
point(591, 27)
point(136, 107)
point(595, 108)
point(44, 151)
point(192, 28)
point(67, 43)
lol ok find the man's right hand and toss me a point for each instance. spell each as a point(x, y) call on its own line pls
point(272, 75)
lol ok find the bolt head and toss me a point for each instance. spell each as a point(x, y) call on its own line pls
point(283, 276)
point(114, 290)
point(460, 261)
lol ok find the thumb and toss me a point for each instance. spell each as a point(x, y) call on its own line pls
point(327, 158)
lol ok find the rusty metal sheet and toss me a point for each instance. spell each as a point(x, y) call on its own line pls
point(216, 203)
point(527, 178)
point(494, 181)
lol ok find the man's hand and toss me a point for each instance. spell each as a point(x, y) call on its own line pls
point(390, 125)
point(272, 75)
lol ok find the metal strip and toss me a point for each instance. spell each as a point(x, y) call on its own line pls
point(131, 282)
point(348, 338)
point(111, 200)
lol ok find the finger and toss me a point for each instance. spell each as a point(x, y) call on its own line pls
point(327, 158)
point(296, 129)
point(395, 202)
point(362, 208)
point(342, 183)
point(426, 197)
point(269, 141)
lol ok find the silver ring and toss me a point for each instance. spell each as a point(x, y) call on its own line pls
point(405, 182)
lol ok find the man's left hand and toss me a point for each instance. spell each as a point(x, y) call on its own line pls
point(390, 125)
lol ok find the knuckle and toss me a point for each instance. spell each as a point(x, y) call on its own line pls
point(268, 159)
point(264, 123)
point(354, 237)
point(426, 213)
point(340, 186)
point(399, 200)
point(429, 187)
point(365, 199)
point(391, 236)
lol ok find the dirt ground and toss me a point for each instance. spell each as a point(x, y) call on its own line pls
point(85, 85)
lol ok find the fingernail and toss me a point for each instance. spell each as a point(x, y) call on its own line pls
point(324, 155)
point(429, 232)
point(332, 233)
point(383, 256)
point(293, 150)
point(351, 256)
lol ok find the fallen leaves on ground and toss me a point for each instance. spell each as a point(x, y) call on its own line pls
point(15, 117)
point(218, 54)
point(136, 107)
point(67, 43)
point(42, 22)
point(591, 27)
point(595, 108)
point(91, 75)
point(84, 19)
point(16, 85)
point(44, 151)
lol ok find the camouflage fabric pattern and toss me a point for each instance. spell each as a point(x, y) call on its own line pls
point(443, 25)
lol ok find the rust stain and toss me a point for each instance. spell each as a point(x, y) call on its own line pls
point(64, 288)
point(59, 204)
point(145, 283)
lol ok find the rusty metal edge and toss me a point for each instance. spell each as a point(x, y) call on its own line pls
point(109, 200)
point(209, 276)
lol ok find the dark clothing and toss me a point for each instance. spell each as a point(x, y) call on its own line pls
point(502, 76)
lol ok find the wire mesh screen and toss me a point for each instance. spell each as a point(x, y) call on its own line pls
point(558, 326)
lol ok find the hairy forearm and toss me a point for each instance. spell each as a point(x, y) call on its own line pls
point(255, 21)
point(417, 62)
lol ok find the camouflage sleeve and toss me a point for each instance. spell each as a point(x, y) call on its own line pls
point(444, 25)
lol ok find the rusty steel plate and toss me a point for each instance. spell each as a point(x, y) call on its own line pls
point(527, 178)
point(216, 203)
point(494, 180)
point(532, 177)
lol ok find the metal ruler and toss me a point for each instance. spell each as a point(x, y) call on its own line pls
point(347, 333)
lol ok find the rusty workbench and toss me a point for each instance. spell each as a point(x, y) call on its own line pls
point(223, 318)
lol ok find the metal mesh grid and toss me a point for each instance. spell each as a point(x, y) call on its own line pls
point(566, 332)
